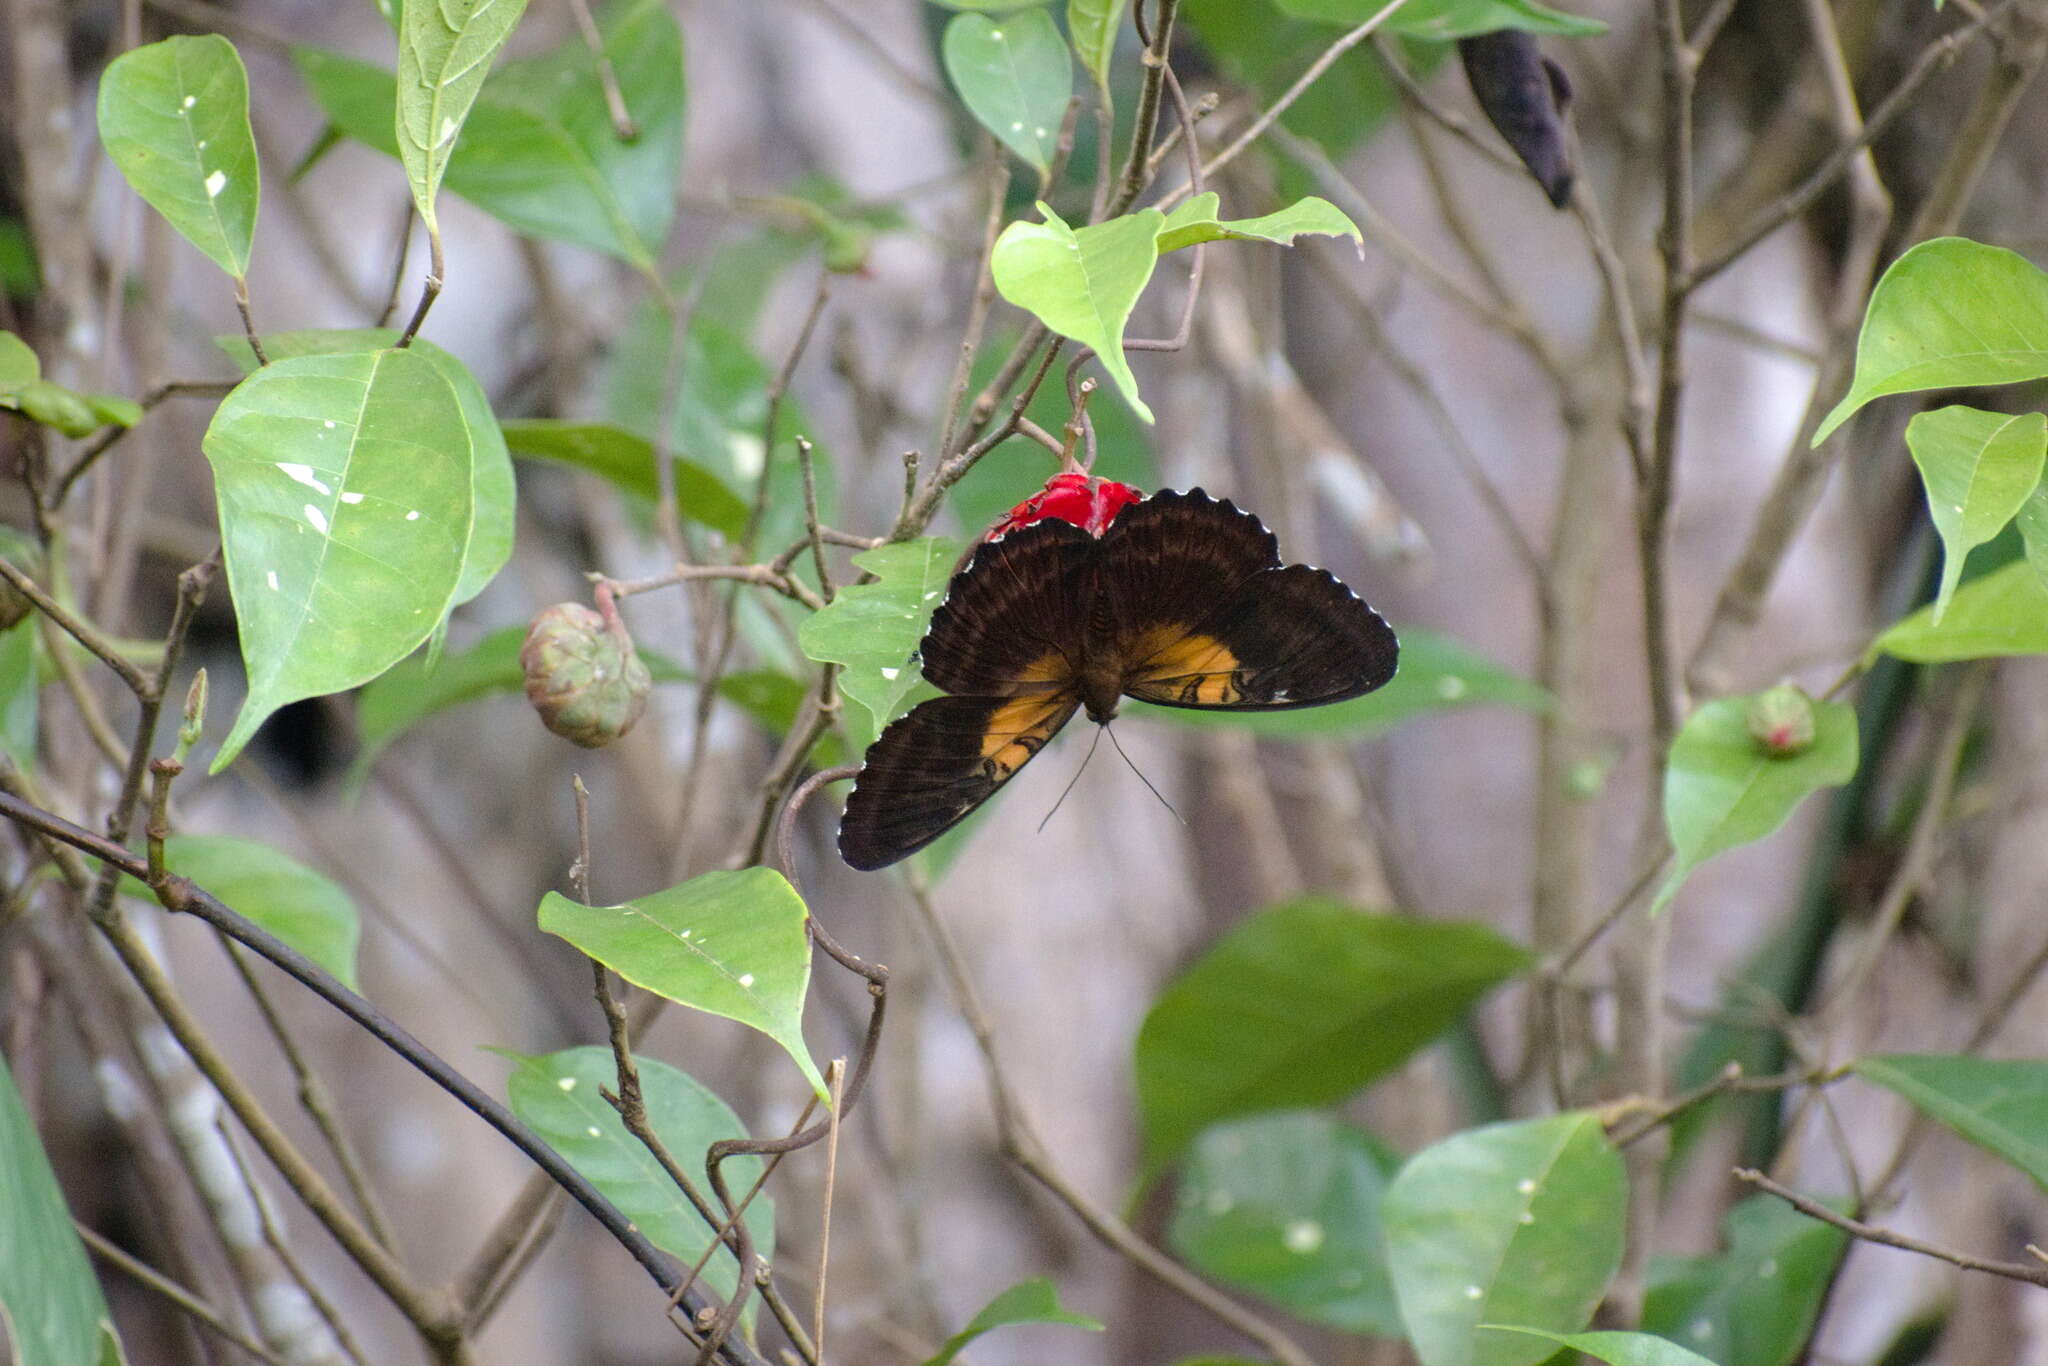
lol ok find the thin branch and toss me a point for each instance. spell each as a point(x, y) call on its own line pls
point(188, 1303)
point(2033, 1273)
point(79, 629)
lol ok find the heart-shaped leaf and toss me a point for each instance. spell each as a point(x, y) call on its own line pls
point(174, 116)
point(1301, 1005)
point(1979, 469)
point(346, 492)
point(558, 1096)
point(1947, 314)
point(1197, 221)
point(1512, 1223)
point(1083, 283)
point(1015, 76)
point(1723, 789)
point(872, 629)
point(1032, 1301)
point(731, 944)
point(445, 49)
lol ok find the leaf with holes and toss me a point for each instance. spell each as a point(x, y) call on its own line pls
point(1300, 1005)
point(1723, 789)
point(1287, 1206)
point(558, 1096)
point(1092, 26)
point(445, 49)
point(1014, 75)
point(174, 116)
point(1083, 282)
point(873, 628)
point(1616, 1349)
point(1949, 313)
point(1197, 221)
point(1442, 20)
point(2001, 1105)
point(2000, 615)
point(51, 1308)
point(346, 497)
point(1032, 1301)
point(1511, 1223)
point(1978, 469)
point(732, 944)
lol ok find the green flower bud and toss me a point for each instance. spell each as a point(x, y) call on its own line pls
point(583, 675)
point(1781, 722)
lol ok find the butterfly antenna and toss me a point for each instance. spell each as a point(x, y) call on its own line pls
point(1142, 778)
point(1075, 779)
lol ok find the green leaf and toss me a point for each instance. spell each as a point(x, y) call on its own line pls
point(2033, 524)
point(19, 693)
point(1014, 75)
point(1301, 1005)
point(50, 1303)
point(345, 486)
point(273, 889)
point(1437, 674)
point(626, 460)
point(491, 530)
point(18, 364)
point(873, 628)
point(1999, 1105)
point(113, 410)
point(988, 6)
point(1197, 221)
point(539, 151)
point(1754, 1304)
point(1082, 283)
point(445, 49)
point(1287, 1206)
point(1722, 789)
point(1512, 1223)
point(1093, 26)
point(774, 699)
point(558, 1096)
point(731, 944)
point(54, 406)
point(2001, 614)
point(174, 116)
point(1442, 20)
point(1032, 1301)
point(1617, 1349)
point(1949, 313)
point(1978, 469)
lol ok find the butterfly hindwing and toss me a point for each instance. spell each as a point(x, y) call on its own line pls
point(1292, 637)
point(1011, 621)
point(933, 766)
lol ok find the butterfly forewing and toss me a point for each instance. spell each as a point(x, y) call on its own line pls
point(933, 766)
point(1011, 621)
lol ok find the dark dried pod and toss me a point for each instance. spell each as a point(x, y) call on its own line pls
point(582, 673)
point(1527, 97)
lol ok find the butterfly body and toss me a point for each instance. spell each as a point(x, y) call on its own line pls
point(1182, 601)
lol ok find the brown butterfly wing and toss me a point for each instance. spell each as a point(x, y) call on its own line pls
point(1012, 619)
point(932, 767)
point(1292, 637)
point(1173, 558)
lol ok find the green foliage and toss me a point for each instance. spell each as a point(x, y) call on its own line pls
point(731, 944)
point(873, 628)
point(1754, 1304)
point(50, 1304)
point(20, 693)
point(1083, 282)
point(346, 492)
point(273, 889)
point(1032, 1301)
point(1437, 674)
point(445, 49)
point(1301, 1005)
point(2001, 614)
point(174, 117)
point(1093, 26)
point(1948, 314)
point(1617, 1349)
point(1999, 1105)
point(18, 364)
point(1512, 1223)
point(1287, 1206)
point(1442, 20)
point(1014, 75)
point(539, 151)
point(1198, 221)
point(24, 390)
point(558, 1096)
point(1722, 789)
point(626, 460)
point(1979, 469)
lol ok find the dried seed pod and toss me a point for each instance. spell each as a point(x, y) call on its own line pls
point(582, 673)
point(1527, 97)
point(1781, 721)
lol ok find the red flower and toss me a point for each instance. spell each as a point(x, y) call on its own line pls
point(1089, 503)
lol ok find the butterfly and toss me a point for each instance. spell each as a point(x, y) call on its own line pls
point(1181, 601)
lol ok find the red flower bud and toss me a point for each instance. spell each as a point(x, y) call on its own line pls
point(1089, 503)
